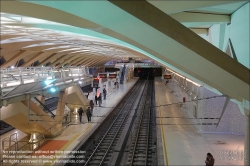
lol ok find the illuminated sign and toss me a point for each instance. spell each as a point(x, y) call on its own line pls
point(103, 75)
point(167, 77)
point(112, 75)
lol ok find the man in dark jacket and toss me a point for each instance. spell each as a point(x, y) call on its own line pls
point(104, 93)
point(80, 112)
point(89, 114)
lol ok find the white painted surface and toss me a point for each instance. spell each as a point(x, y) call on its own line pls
point(183, 144)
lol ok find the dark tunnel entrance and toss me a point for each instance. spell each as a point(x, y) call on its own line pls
point(145, 72)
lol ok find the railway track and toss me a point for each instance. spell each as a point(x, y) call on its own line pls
point(143, 146)
point(111, 143)
point(103, 150)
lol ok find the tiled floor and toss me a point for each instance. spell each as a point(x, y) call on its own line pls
point(183, 144)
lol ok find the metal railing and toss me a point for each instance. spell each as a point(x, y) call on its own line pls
point(30, 146)
point(11, 77)
point(9, 142)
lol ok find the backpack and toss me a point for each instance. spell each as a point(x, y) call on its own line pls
point(104, 91)
point(88, 112)
point(80, 111)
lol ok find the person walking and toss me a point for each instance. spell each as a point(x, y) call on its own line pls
point(80, 112)
point(100, 100)
point(209, 160)
point(96, 98)
point(91, 104)
point(89, 114)
point(104, 93)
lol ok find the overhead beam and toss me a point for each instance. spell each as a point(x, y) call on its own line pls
point(90, 61)
point(200, 30)
point(201, 17)
point(99, 60)
point(170, 7)
point(17, 45)
point(77, 60)
point(59, 60)
point(71, 58)
point(18, 7)
point(36, 57)
point(48, 59)
point(101, 63)
point(17, 57)
point(207, 54)
point(84, 60)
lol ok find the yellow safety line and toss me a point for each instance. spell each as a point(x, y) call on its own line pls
point(63, 148)
point(162, 135)
point(76, 136)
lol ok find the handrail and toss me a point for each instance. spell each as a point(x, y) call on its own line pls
point(45, 108)
point(39, 136)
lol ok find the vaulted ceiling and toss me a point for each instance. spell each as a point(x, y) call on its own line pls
point(23, 46)
point(159, 30)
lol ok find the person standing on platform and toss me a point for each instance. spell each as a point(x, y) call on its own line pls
point(89, 114)
point(209, 160)
point(96, 98)
point(104, 93)
point(100, 100)
point(116, 85)
point(80, 112)
point(91, 104)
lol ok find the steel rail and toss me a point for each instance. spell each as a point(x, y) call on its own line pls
point(137, 133)
point(120, 115)
point(145, 116)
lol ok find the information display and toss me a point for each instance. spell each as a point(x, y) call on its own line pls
point(167, 77)
point(103, 75)
point(112, 75)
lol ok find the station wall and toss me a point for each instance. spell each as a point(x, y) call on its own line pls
point(232, 121)
point(237, 31)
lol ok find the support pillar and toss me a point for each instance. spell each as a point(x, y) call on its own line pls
point(60, 108)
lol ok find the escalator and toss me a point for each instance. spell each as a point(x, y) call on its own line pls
point(45, 108)
point(5, 127)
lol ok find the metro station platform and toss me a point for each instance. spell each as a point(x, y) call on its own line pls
point(77, 132)
point(183, 145)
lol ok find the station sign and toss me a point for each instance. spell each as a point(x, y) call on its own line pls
point(103, 75)
point(167, 77)
point(96, 78)
point(112, 75)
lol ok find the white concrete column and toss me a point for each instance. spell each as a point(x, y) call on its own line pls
point(246, 145)
point(61, 108)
